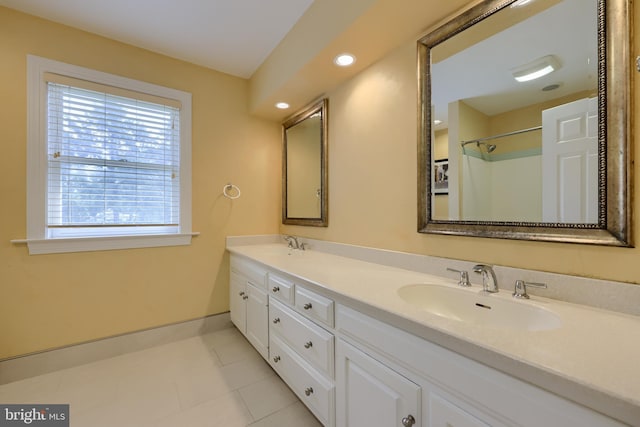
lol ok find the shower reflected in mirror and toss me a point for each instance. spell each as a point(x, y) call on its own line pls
point(489, 147)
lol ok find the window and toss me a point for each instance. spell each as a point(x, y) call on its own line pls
point(109, 161)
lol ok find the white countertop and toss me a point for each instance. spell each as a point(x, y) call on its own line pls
point(592, 359)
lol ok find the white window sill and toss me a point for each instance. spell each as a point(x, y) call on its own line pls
point(86, 244)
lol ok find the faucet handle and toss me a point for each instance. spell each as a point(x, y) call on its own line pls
point(520, 288)
point(464, 277)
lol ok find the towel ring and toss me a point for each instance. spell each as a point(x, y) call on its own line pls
point(228, 189)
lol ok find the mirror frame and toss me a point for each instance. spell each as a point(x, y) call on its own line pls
point(321, 106)
point(614, 227)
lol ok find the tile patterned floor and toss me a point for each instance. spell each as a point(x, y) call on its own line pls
point(213, 380)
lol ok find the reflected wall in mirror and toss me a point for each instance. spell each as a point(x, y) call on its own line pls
point(529, 101)
point(304, 167)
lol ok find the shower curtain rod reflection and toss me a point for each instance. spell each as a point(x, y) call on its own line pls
point(502, 135)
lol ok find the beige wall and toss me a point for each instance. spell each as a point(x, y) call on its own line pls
point(54, 300)
point(372, 193)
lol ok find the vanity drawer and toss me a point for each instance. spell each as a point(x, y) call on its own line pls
point(251, 271)
point(314, 390)
point(310, 341)
point(314, 306)
point(280, 288)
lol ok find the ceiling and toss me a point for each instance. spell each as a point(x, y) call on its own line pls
point(285, 48)
point(232, 36)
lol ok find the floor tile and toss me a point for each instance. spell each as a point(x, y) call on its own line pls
point(201, 385)
point(222, 337)
point(31, 390)
point(235, 351)
point(294, 415)
point(88, 394)
point(267, 396)
point(143, 401)
point(227, 410)
point(246, 372)
point(217, 379)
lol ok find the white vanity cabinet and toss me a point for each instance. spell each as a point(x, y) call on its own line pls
point(353, 369)
point(398, 369)
point(302, 343)
point(249, 302)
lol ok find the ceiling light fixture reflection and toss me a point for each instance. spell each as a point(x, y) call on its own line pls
point(344, 60)
point(520, 3)
point(282, 105)
point(536, 69)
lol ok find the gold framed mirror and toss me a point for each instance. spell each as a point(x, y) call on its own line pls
point(524, 129)
point(304, 167)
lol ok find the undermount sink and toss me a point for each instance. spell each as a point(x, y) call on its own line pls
point(278, 250)
point(481, 309)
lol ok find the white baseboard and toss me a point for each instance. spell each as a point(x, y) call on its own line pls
point(31, 365)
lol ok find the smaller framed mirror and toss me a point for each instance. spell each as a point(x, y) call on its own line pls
point(304, 167)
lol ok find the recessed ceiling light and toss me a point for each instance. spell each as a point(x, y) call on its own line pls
point(282, 105)
point(536, 69)
point(344, 60)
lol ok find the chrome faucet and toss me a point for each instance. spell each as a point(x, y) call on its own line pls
point(489, 280)
point(293, 243)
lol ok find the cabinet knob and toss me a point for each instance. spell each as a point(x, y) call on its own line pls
point(245, 297)
point(241, 293)
point(308, 391)
point(307, 306)
point(408, 421)
point(275, 289)
point(308, 344)
point(276, 320)
point(276, 359)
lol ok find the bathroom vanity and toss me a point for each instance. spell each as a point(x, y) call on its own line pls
point(354, 341)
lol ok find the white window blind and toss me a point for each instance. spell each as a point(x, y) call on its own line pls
point(113, 162)
point(108, 161)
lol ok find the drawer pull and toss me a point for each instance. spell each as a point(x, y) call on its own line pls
point(308, 344)
point(241, 293)
point(276, 359)
point(275, 289)
point(245, 297)
point(276, 320)
point(408, 421)
point(308, 391)
point(307, 306)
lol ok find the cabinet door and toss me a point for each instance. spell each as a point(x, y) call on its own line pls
point(370, 394)
point(443, 413)
point(237, 302)
point(258, 319)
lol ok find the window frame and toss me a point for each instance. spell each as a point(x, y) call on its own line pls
point(38, 239)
